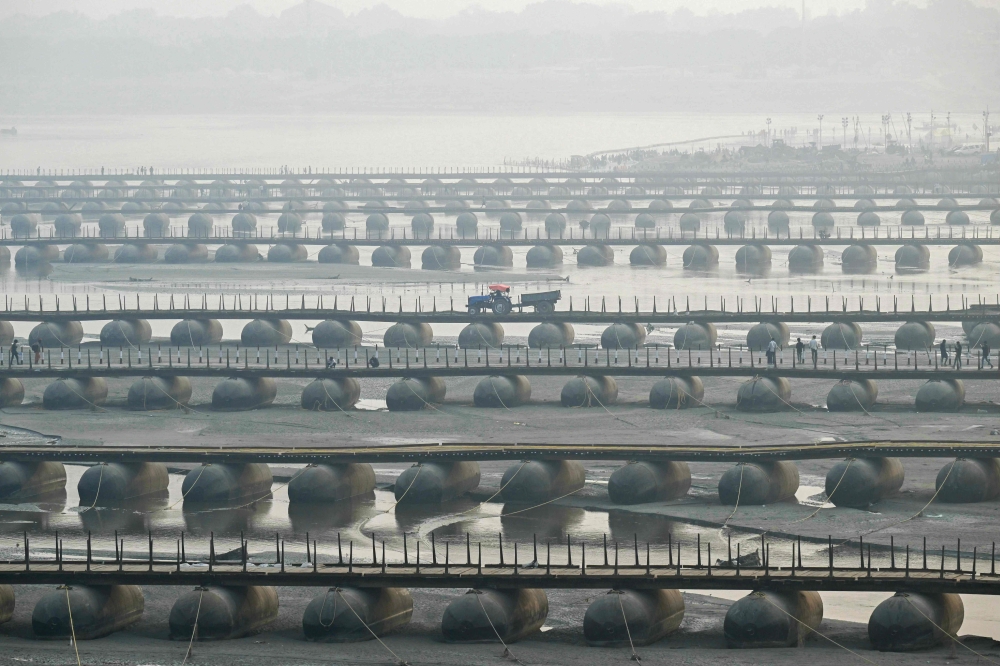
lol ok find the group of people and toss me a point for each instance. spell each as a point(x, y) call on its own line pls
point(800, 347)
point(984, 357)
point(15, 355)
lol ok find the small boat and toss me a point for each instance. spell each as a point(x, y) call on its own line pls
point(8, 131)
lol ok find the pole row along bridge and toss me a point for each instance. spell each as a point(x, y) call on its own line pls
point(574, 570)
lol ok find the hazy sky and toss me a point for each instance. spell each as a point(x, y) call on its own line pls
point(421, 8)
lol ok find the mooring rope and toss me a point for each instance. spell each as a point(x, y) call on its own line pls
point(491, 497)
point(946, 633)
point(739, 492)
point(361, 528)
point(555, 499)
point(100, 479)
point(399, 661)
point(916, 515)
point(506, 649)
point(270, 491)
point(333, 617)
point(850, 461)
point(730, 415)
point(194, 628)
point(817, 632)
point(635, 657)
point(184, 495)
point(75, 392)
point(186, 408)
point(593, 395)
point(72, 629)
point(497, 393)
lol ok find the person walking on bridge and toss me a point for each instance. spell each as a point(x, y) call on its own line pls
point(958, 354)
point(985, 358)
point(772, 353)
point(944, 351)
point(15, 353)
point(814, 349)
point(799, 348)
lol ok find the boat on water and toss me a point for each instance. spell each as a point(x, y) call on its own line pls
point(8, 131)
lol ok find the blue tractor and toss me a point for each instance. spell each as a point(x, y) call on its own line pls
point(498, 300)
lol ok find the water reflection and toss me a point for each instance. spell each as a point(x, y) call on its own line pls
point(522, 522)
point(451, 517)
point(201, 519)
point(36, 516)
point(131, 516)
point(625, 526)
point(330, 517)
point(34, 270)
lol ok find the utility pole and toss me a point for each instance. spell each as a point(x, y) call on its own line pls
point(820, 117)
point(909, 124)
point(768, 132)
point(986, 128)
point(802, 36)
point(843, 122)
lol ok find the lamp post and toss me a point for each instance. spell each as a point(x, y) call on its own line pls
point(820, 117)
point(843, 123)
point(768, 132)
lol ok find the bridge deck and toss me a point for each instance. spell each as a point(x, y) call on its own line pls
point(620, 236)
point(872, 364)
point(465, 576)
point(664, 311)
point(483, 451)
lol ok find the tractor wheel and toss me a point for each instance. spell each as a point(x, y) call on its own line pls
point(501, 307)
point(545, 308)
